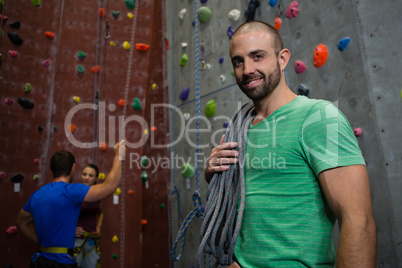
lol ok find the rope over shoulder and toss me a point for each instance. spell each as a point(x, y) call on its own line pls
point(221, 226)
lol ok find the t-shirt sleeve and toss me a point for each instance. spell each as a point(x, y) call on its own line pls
point(27, 206)
point(77, 192)
point(327, 139)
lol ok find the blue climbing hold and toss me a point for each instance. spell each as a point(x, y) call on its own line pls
point(272, 3)
point(343, 43)
point(221, 59)
point(230, 31)
point(184, 93)
point(225, 124)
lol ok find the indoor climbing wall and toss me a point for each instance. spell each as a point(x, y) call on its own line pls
point(342, 51)
point(79, 76)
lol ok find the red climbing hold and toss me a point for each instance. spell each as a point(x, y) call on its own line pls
point(11, 230)
point(153, 129)
point(46, 63)
point(130, 192)
point(277, 23)
point(49, 35)
point(141, 46)
point(102, 146)
point(292, 10)
point(102, 12)
point(95, 69)
point(2, 175)
point(358, 131)
point(13, 53)
point(300, 66)
point(121, 102)
point(144, 222)
point(8, 101)
point(320, 55)
point(36, 161)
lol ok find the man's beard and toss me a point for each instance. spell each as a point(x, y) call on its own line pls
point(264, 90)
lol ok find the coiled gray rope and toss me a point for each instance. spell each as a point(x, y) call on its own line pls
point(221, 226)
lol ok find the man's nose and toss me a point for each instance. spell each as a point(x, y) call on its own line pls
point(249, 67)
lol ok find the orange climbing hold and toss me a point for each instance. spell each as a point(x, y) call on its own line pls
point(102, 12)
point(49, 35)
point(320, 55)
point(141, 46)
point(72, 128)
point(144, 222)
point(95, 69)
point(102, 146)
point(153, 129)
point(277, 23)
point(130, 192)
point(121, 102)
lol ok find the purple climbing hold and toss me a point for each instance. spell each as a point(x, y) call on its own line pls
point(15, 38)
point(230, 32)
point(184, 93)
point(204, 1)
point(202, 209)
point(17, 178)
point(221, 59)
point(193, 23)
point(225, 124)
point(26, 103)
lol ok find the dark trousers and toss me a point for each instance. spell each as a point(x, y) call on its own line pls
point(42, 262)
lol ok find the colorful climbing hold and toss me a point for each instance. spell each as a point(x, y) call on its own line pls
point(184, 93)
point(35, 177)
point(144, 176)
point(72, 128)
point(187, 170)
point(131, 192)
point(186, 116)
point(102, 146)
point(320, 55)
point(49, 35)
point(46, 63)
point(292, 10)
point(15, 38)
point(184, 59)
point(13, 53)
point(8, 101)
point(225, 124)
point(76, 99)
point(2, 175)
point(299, 66)
point(277, 23)
point(95, 69)
point(17, 178)
point(36, 3)
point(11, 230)
point(358, 131)
point(27, 87)
point(54, 128)
point(203, 1)
point(115, 14)
point(36, 161)
point(230, 31)
point(130, 4)
point(101, 176)
point(234, 15)
point(112, 43)
point(272, 3)
point(221, 59)
point(118, 191)
point(115, 239)
point(153, 129)
point(204, 14)
point(303, 90)
point(144, 161)
point(162, 206)
point(114, 256)
point(145, 131)
point(81, 54)
point(136, 105)
point(126, 45)
point(102, 12)
point(210, 108)
point(130, 15)
point(144, 222)
point(141, 47)
point(121, 103)
point(343, 43)
point(182, 13)
point(80, 69)
point(26, 103)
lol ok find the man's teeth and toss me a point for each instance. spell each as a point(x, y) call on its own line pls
point(253, 81)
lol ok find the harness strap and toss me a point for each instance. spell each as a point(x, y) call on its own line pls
point(60, 250)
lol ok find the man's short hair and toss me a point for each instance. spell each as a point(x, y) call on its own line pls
point(62, 163)
point(254, 26)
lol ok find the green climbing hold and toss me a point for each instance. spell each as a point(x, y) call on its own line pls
point(144, 161)
point(27, 88)
point(204, 14)
point(130, 4)
point(137, 105)
point(183, 60)
point(115, 14)
point(187, 170)
point(81, 54)
point(233, 73)
point(55, 128)
point(210, 108)
point(36, 3)
point(144, 176)
point(80, 69)
point(162, 205)
point(36, 177)
point(114, 256)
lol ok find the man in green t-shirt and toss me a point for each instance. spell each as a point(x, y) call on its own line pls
point(303, 168)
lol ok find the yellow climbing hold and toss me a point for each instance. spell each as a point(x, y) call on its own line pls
point(112, 43)
point(126, 45)
point(76, 99)
point(130, 15)
point(115, 239)
point(153, 86)
point(101, 176)
point(118, 191)
point(145, 131)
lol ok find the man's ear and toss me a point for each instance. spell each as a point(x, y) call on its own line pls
point(283, 58)
point(73, 168)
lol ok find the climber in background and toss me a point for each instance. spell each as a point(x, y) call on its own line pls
point(89, 225)
point(50, 216)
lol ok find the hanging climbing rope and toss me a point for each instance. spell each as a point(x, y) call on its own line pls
point(122, 134)
point(181, 236)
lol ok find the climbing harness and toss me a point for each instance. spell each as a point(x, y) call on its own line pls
point(95, 237)
point(60, 250)
point(223, 212)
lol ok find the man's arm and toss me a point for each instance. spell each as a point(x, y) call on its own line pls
point(347, 191)
point(100, 191)
point(26, 225)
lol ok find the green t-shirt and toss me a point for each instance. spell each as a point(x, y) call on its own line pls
point(286, 220)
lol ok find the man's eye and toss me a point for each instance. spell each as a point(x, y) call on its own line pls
point(258, 56)
point(236, 62)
